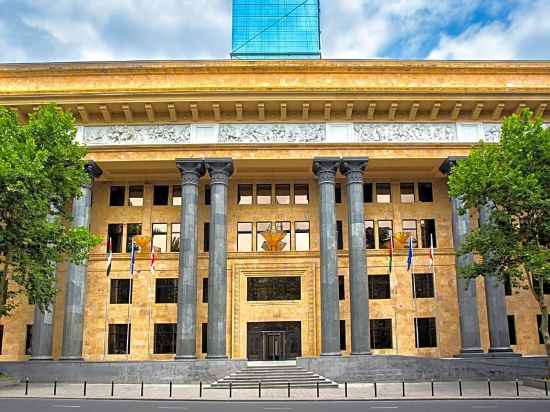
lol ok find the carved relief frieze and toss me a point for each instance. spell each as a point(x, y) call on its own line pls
point(136, 135)
point(405, 132)
point(272, 133)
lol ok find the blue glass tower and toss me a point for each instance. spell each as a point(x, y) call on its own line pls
point(276, 29)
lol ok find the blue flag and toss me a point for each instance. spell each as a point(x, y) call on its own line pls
point(410, 254)
point(132, 258)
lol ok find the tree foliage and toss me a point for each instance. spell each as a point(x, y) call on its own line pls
point(41, 171)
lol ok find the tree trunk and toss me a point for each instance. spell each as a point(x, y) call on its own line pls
point(544, 321)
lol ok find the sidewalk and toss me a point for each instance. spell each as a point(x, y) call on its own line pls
point(356, 391)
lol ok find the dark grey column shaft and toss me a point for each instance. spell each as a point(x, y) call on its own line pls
point(219, 171)
point(191, 172)
point(73, 322)
point(325, 170)
point(42, 334)
point(353, 169)
point(495, 297)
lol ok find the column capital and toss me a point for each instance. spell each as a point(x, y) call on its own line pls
point(353, 168)
point(93, 169)
point(325, 168)
point(449, 163)
point(191, 170)
point(219, 169)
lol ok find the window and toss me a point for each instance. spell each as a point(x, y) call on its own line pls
point(273, 288)
point(284, 227)
point(28, 341)
point(426, 335)
point(166, 290)
point(206, 237)
point(132, 229)
point(282, 194)
point(175, 240)
point(545, 287)
point(383, 193)
point(407, 192)
point(263, 194)
point(301, 194)
point(207, 193)
point(367, 192)
point(425, 193)
point(176, 195)
point(165, 338)
point(160, 235)
point(260, 240)
point(160, 195)
point(341, 288)
point(512, 330)
point(379, 286)
point(507, 286)
point(539, 320)
point(204, 337)
point(302, 235)
point(1, 337)
point(244, 194)
point(121, 291)
point(342, 335)
point(114, 232)
point(244, 237)
point(409, 226)
point(427, 231)
point(385, 233)
point(118, 193)
point(423, 285)
point(369, 234)
point(204, 290)
point(339, 235)
point(119, 338)
point(135, 196)
point(338, 193)
point(381, 334)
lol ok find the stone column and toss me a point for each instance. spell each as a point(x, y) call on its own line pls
point(325, 170)
point(73, 323)
point(191, 171)
point(219, 171)
point(353, 169)
point(495, 297)
point(466, 288)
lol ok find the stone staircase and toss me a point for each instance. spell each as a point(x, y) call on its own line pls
point(272, 375)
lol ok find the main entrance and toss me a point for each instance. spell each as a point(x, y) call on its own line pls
point(273, 341)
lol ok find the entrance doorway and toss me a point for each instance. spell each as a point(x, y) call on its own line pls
point(273, 341)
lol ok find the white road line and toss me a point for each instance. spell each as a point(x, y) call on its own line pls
point(180, 408)
point(277, 409)
point(383, 407)
point(485, 407)
point(66, 406)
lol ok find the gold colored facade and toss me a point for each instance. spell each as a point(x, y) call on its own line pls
point(236, 92)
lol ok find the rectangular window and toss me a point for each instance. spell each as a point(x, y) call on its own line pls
point(244, 237)
point(367, 192)
point(423, 285)
point(341, 288)
point(166, 290)
point(342, 335)
point(28, 341)
point(425, 193)
point(545, 287)
point(426, 335)
point(207, 193)
point(206, 237)
point(301, 194)
point(175, 239)
point(369, 234)
point(263, 194)
point(244, 194)
point(160, 236)
point(407, 192)
point(121, 291)
point(383, 192)
point(338, 193)
point(409, 227)
point(381, 334)
point(282, 194)
point(427, 232)
point(135, 196)
point(1, 337)
point(204, 290)
point(260, 240)
point(301, 230)
point(165, 338)
point(512, 330)
point(118, 193)
point(385, 233)
point(204, 337)
point(160, 195)
point(176, 195)
point(119, 339)
point(132, 229)
point(507, 286)
point(284, 227)
point(114, 232)
point(539, 320)
point(273, 288)
point(339, 235)
point(379, 287)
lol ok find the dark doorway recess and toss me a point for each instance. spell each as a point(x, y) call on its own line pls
point(273, 341)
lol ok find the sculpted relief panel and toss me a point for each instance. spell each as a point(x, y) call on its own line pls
point(135, 135)
point(405, 132)
point(272, 133)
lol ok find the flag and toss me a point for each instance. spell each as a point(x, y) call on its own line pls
point(431, 253)
point(109, 256)
point(132, 258)
point(410, 254)
point(390, 263)
point(152, 260)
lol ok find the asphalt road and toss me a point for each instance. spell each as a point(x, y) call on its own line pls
point(60, 405)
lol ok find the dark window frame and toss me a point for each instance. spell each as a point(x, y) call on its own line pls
point(285, 187)
point(176, 194)
point(1, 338)
point(339, 235)
point(260, 195)
point(118, 202)
point(383, 185)
point(372, 235)
point(131, 191)
point(166, 290)
point(245, 187)
point(28, 340)
point(121, 291)
point(115, 333)
point(422, 192)
point(130, 234)
point(425, 233)
point(343, 342)
point(115, 237)
point(368, 192)
point(338, 193)
point(161, 195)
point(307, 196)
point(164, 338)
point(204, 290)
point(204, 337)
point(511, 319)
point(273, 288)
point(379, 287)
point(379, 335)
point(426, 339)
point(206, 237)
point(382, 243)
point(423, 285)
point(406, 185)
point(341, 288)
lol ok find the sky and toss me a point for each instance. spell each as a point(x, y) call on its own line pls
point(99, 30)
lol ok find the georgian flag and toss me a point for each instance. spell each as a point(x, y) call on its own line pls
point(109, 256)
point(431, 253)
point(390, 262)
point(132, 258)
point(152, 260)
point(410, 254)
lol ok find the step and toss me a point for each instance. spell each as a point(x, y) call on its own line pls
point(254, 375)
point(283, 380)
point(273, 385)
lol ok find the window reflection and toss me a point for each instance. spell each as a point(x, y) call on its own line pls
point(285, 227)
point(385, 233)
point(261, 227)
point(135, 196)
point(244, 194)
point(160, 235)
point(244, 237)
point(302, 235)
point(383, 193)
point(407, 192)
point(263, 194)
point(301, 194)
point(282, 194)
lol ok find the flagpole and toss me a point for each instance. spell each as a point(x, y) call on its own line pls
point(109, 264)
point(436, 297)
point(130, 290)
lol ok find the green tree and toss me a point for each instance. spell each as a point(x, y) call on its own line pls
point(511, 179)
point(41, 171)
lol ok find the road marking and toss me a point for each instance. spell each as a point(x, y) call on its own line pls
point(277, 409)
point(383, 407)
point(485, 407)
point(66, 406)
point(172, 407)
